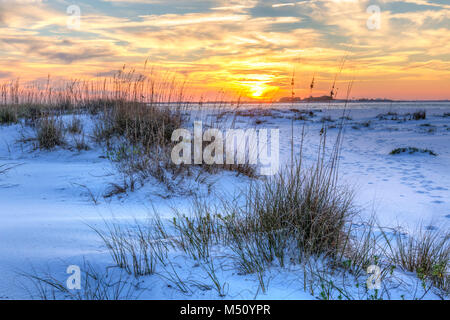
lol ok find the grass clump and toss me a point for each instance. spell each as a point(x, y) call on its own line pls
point(8, 116)
point(138, 141)
point(303, 208)
point(80, 143)
point(75, 126)
point(388, 116)
point(427, 253)
point(139, 123)
point(138, 248)
point(412, 150)
point(95, 285)
point(300, 211)
point(419, 115)
point(50, 133)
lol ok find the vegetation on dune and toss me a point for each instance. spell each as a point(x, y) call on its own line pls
point(134, 116)
point(50, 133)
point(417, 115)
point(427, 254)
point(95, 285)
point(412, 150)
point(7, 116)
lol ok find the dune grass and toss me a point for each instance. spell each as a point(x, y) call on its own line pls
point(95, 285)
point(50, 133)
point(427, 253)
point(412, 150)
point(7, 116)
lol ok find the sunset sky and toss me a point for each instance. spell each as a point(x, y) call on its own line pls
point(248, 47)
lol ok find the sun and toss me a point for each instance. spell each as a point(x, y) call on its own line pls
point(257, 90)
point(256, 86)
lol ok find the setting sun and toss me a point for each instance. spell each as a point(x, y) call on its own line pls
point(254, 89)
point(257, 90)
point(257, 86)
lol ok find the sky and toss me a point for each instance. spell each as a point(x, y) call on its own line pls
point(252, 48)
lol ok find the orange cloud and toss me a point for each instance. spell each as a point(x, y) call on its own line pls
point(230, 47)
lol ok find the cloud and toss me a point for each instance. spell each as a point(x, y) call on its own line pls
point(223, 43)
point(28, 14)
point(55, 50)
point(4, 74)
